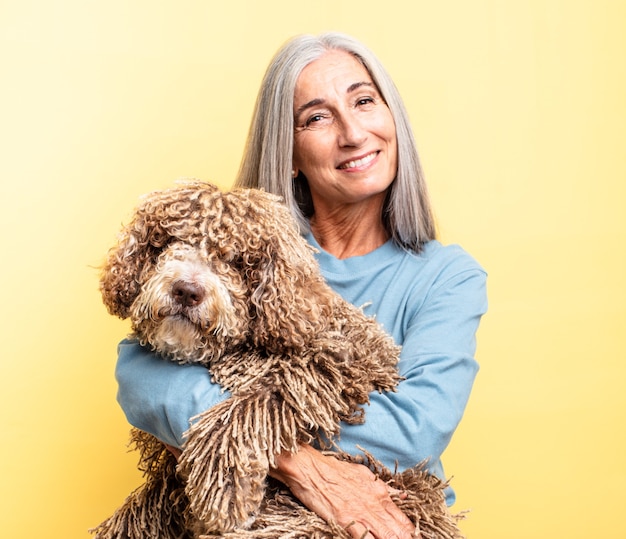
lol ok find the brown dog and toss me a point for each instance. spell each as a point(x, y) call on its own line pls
point(226, 280)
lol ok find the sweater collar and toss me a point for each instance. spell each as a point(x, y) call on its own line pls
point(356, 264)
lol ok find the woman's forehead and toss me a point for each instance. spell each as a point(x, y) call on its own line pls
point(335, 72)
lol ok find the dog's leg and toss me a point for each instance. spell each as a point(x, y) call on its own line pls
point(227, 455)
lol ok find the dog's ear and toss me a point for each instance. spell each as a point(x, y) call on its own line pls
point(177, 214)
point(290, 300)
point(138, 243)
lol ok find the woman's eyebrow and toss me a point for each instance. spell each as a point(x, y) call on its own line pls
point(312, 103)
point(358, 85)
point(319, 101)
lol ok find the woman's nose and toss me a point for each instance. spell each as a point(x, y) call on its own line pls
point(350, 131)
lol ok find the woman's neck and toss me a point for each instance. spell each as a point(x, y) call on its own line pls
point(354, 235)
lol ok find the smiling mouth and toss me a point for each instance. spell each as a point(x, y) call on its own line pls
point(359, 162)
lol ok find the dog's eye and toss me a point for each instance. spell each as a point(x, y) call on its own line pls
point(235, 261)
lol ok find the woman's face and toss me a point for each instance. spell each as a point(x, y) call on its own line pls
point(345, 138)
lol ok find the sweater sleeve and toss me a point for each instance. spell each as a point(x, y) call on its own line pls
point(437, 362)
point(159, 396)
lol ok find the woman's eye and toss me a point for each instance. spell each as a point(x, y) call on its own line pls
point(317, 121)
point(365, 101)
point(313, 119)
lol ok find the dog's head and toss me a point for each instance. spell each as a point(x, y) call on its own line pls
point(199, 271)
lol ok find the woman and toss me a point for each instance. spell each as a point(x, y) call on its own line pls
point(331, 135)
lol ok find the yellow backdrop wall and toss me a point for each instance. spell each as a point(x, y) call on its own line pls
point(520, 116)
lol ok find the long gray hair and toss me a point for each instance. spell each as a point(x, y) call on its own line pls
point(267, 160)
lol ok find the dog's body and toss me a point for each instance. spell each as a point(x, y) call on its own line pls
point(225, 280)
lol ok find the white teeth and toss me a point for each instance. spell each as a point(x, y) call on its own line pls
point(359, 162)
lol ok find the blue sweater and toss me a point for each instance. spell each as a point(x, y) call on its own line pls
point(431, 303)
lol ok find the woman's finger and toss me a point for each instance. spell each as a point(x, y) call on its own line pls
point(358, 530)
point(402, 494)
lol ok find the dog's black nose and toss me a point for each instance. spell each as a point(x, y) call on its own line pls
point(187, 294)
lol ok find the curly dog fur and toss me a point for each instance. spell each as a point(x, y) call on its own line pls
point(225, 280)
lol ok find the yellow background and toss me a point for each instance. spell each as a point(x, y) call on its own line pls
point(519, 110)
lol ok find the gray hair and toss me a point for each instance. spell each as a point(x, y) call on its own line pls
point(267, 160)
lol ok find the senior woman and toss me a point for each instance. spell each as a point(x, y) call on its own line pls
point(331, 135)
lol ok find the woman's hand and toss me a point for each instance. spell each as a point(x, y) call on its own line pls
point(174, 451)
point(346, 493)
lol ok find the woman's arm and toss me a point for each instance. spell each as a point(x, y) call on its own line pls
point(159, 396)
point(439, 368)
point(437, 361)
